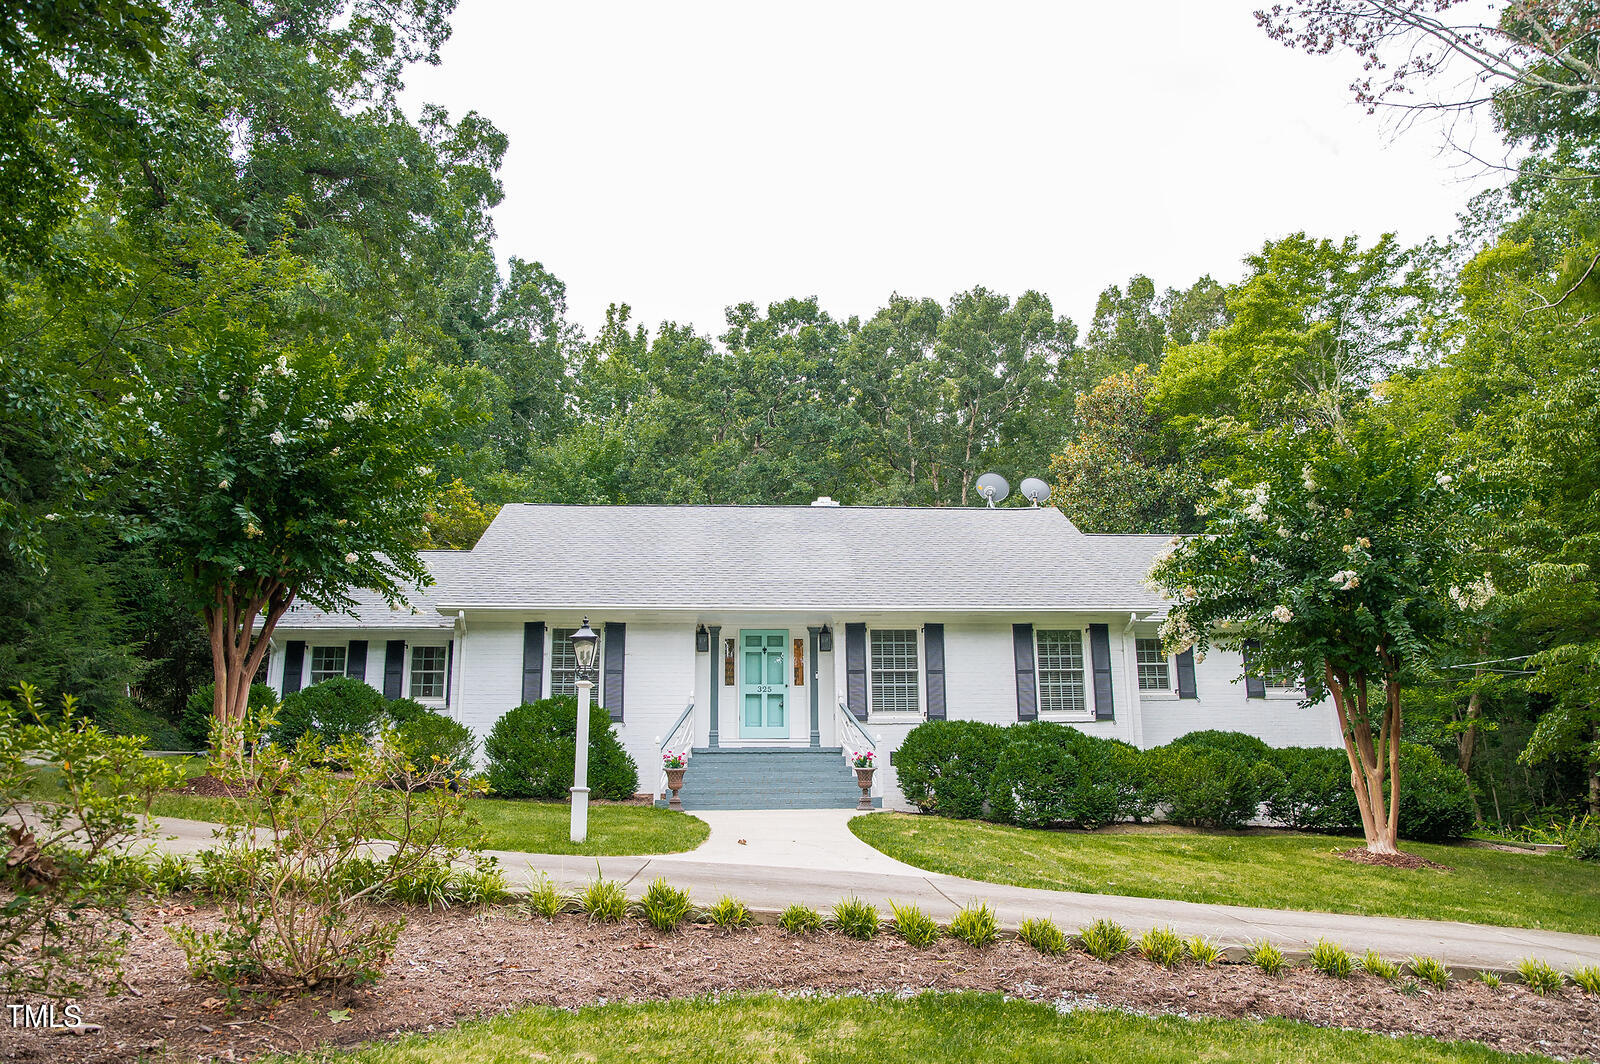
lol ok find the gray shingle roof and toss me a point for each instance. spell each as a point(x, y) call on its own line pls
point(421, 610)
point(795, 557)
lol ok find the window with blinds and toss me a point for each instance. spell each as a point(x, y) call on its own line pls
point(1060, 669)
point(894, 670)
point(326, 663)
point(563, 663)
point(427, 672)
point(1152, 661)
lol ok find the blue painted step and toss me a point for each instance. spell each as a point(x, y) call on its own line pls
point(778, 778)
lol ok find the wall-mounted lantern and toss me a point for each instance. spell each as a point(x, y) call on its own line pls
point(825, 640)
point(702, 640)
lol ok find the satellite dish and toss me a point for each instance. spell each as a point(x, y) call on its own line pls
point(1035, 490)
point(993, 488)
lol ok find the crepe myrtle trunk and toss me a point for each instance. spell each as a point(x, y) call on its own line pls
point(1373, 759)
point(236, 648)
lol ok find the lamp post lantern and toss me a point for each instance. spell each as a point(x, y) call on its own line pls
point(583, 647)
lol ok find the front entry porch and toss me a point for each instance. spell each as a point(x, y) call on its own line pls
point(772, 778)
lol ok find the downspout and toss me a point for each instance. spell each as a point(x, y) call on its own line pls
point(459, 680)
point(1130, 672)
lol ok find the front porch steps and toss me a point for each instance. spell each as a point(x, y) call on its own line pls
point(769, 778)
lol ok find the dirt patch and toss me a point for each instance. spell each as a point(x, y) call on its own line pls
point(1392, 860)
point(209, 786)
point(460, 964)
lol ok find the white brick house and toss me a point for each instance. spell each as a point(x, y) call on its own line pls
point(795, 628)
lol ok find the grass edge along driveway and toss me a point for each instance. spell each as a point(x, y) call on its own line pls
point(930, 1028)
point(526, 826)
point(1270, 870)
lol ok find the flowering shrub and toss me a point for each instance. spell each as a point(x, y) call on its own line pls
point(1337, 566)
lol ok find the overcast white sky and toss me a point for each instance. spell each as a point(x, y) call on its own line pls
point(683, 157)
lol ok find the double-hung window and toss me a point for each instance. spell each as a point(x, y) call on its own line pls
point(427, 672)
point(326, 663)
point(894, 671)
point(1152, 660)
point(563, 663)
point(1060, 669)
point(1280, 680)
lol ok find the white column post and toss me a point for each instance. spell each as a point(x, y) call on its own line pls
point(580, 768)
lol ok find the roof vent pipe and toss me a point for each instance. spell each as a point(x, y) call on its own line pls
point(825, 500)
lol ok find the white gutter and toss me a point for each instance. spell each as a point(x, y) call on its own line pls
point(501, 607)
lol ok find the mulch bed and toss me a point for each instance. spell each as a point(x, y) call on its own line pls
point(456, 964)
point(1392, 860)
point(210, 787)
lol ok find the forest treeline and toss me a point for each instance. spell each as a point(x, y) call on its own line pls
point(177, 176)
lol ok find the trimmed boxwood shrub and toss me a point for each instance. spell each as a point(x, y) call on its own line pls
point(530, 752)
point(1314, 793)
point(944, 766)
point(196, 723)
point(424, 734)
point(124, 716)
point(1205, 785)
point(1240, 744)
point(1054, 774)
point(1435, 797)
point(330, 710)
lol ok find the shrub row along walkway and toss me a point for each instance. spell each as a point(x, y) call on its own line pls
point(811, 857)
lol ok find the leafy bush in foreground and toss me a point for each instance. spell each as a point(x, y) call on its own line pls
point(530, 752)
point(944, 766)
point(1055, 774)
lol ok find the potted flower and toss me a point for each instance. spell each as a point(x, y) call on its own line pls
point(675, 762)
point(865, 765)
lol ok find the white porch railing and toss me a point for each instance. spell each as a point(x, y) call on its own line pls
point(679, 737)
point(852, 736)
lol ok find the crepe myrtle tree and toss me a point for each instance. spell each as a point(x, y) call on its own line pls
point(269, 472)
point(1344, 565)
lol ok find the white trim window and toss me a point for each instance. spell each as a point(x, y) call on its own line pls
point(327, 663)
point(564, 661)
point(1280, 680)
point(1155, 674)
point(1058, 664)
point(427, 673)
point(893, 661)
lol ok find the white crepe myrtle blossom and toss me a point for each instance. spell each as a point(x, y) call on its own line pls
point(1475, 596)
point(1443, 479)
point(1282, 614)
point(224, 484)
point(1364, 543)
point(1306, 478)
point(251, 530)
point(283, 367)
point(277, 437)
point(1256, 512)
point(1347, 579)
point(1283, 533)
point(350, 559)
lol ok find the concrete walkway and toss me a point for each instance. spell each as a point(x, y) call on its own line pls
point(771, 859)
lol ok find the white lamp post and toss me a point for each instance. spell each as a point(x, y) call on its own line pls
point(583, 647)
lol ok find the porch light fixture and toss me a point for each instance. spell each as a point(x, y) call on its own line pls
point(583, 646)
point(702, 640)
point(825, 640)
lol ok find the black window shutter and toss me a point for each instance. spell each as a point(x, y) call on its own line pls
point(1100, 659)
point(294, 663)
point(1186, 687)
point(394, 666)
point(355, 659)
point(855, 669)
point(933, 668)
point(1255, 684)
point(449, 667)
point(616, 652)
point(532, 660)
point(1027, 693)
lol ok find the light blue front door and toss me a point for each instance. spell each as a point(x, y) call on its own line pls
point(764, 712)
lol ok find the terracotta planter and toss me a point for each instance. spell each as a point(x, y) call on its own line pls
point(675, 783)
point(864, 781)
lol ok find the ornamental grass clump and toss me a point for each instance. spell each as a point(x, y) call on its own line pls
point(1588, 978)
point(856, 918)
point(1267, 957)
point(1161, 945)
point(1202, 950)
point(603, 901)
point(1490, 980)
point(915, 926)
point(664, 906)
point(1373, 964)
point(730, 914)
point(483, 884)
point(1539, 977)
point(1042, 934)
point(1105, 939)
point(1330, 958)
point(975, 925)
point(545, 898)
point(1430, 970)
point(800, 920)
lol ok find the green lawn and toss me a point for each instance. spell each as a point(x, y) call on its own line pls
point(1279, 871)
point(928, 1029)
point(529, 827)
